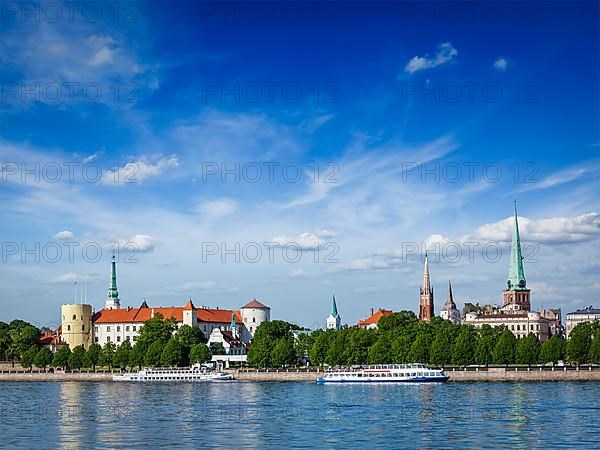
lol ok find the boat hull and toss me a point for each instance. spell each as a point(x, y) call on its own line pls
point(360, 381)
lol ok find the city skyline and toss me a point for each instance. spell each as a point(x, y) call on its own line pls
point(196, 149)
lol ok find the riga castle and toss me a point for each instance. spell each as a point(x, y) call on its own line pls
point(82, 326)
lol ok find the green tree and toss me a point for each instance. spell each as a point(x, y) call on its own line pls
point(200, 354)
point(397, 321)
point(336, 351)
point(173, 353)
point(107, 354)
point(303, 344)
point(121, 357)
point(319, 349)
point(153, 354)
point(76, 358)
point(484, 349)
point(28, 356)
point(594, 355)
point(578, 345)
point(463, 350)
point(189, 336)
point(43, 358)
point(265, 337)
point(61, 357)
point(284, 353)
point(528, 349)
point(359, 340)
point(216, 348)
point(136, 357)
point(419, 350)
point(92, 356)
point(156, 329)
point(552, 350)
point(440, 351)
point(504, 350)
point(379, 352)
point(400, 351)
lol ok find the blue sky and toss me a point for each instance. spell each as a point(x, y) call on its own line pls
point(385, 99)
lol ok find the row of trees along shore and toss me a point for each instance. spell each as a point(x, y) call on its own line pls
point(402, 338)
point(158, 344)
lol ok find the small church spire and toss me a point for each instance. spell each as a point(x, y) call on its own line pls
point(334, 321)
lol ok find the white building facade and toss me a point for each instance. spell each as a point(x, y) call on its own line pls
point(589, 314)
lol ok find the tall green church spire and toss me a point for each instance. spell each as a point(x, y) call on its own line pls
point(334, 311)
point(516, 275)
point(112, 290)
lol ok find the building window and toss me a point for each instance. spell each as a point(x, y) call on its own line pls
point(74, 317)
point(68, 327)
point(107, 338)
point(96, 339)
point(127, 338)
point(134, 328)
point(134, 338)
point(254, 319)
point(82, 327)
point(95, 329)
point(107, 328)
point(118, 338)
point(118, 328)
point(127, 328)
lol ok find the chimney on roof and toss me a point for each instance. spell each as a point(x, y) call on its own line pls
point(152, 313)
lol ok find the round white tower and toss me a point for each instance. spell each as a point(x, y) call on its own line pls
point(253, 314)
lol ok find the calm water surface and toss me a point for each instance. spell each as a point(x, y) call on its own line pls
point(300, 415)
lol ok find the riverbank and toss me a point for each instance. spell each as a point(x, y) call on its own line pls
point(491, 374)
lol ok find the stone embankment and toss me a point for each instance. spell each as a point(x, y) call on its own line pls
point(519, 374)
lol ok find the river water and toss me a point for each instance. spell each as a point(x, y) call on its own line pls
point(300, 415)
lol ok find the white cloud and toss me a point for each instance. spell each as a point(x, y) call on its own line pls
point(297, 273)
point(72, 277)
point(501, 64)
point(216, 209)
point(64, 235)
point(138, 243)
point(590, 168)
point(557, 230)
point(445, 53)
point(140, 170)
point(305, 241)
point(435, 240)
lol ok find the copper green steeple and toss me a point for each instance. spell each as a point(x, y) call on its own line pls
point(516, 275)
point(112, 289)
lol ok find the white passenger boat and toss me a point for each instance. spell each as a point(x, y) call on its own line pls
point(189, 374)
point(386, 373)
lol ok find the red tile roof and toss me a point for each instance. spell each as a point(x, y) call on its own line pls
point(255, 304)
point(374, 319)
point(137, 315)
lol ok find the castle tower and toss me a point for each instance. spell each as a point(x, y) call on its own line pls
point(516, 294)
point(449, 310)
point(253, 314)
point(190, 316)
point(334, 321)
point(76, 325)
point(426, 302)
point(112, 298)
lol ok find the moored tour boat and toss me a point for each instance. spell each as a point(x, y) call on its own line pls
point(385, 373)
point(188, 374)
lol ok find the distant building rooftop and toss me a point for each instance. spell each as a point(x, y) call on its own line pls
point(588, 310)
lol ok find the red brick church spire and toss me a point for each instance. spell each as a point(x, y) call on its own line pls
point(426, 302)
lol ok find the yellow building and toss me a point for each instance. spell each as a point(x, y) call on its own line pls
point(77, 325)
